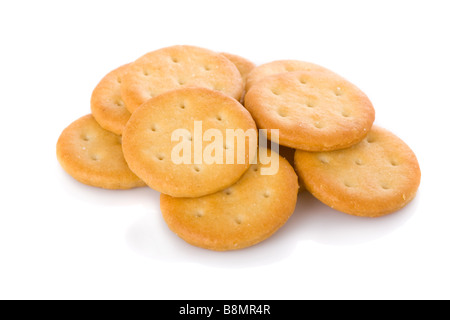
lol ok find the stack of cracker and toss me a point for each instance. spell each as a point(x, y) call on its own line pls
point(187, 92)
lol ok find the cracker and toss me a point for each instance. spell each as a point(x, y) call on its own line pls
point(246, 213)
point(93, 156)
point(148, 145)
point(314, 111)
point(175, 67)
point(244, 65)
point(277, 67)
point(376, 177)
point(107, 105)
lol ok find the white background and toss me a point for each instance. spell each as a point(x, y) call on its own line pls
point(60, 239)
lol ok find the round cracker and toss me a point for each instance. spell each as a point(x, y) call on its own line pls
point(175, 67)
point(314, 111)
point(376, 177)
point(247, 213)
point(93, 156)
point(148, 145)
point(244, 65)
point(107, 105)
point(277, 67)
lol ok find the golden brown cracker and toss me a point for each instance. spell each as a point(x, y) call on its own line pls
point(107, 105)
point(93, 156)
point(176, 67)
point(376, 177)
point(246, 213)
point(314, 111)
point(277, 67)
point(148, 142)
point(244, 65)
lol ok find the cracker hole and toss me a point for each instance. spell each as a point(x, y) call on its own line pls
point(370, 139)
point(181, 82)
point(282, 113)
point(385, 187)
point(196, 168)
point(318, 125)
point(302, 81)
point(394, 163)
point(85, 138)
point(226, 147)
point(348, 185)
point(207, 68)
point(94, 157)
point(345, 114)
point(219, 118)
point(338, 91)
point(324, 160)
point(358, 162)
point(160, 157)
point(238, 220)
point(266, 194)
point(310, 105)
point(119, 103)
point(119, 80)
point(182, 106)
point(199, 214)
point(153, 128)
point(145, 73)
point(174, 59)
point(255, 169)
point(276, 92)
point(227, 192)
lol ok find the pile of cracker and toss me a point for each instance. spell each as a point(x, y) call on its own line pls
point(149, 116)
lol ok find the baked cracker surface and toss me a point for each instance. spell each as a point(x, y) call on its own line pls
point(378, 176)
point(243, 215)
point(93, 156)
